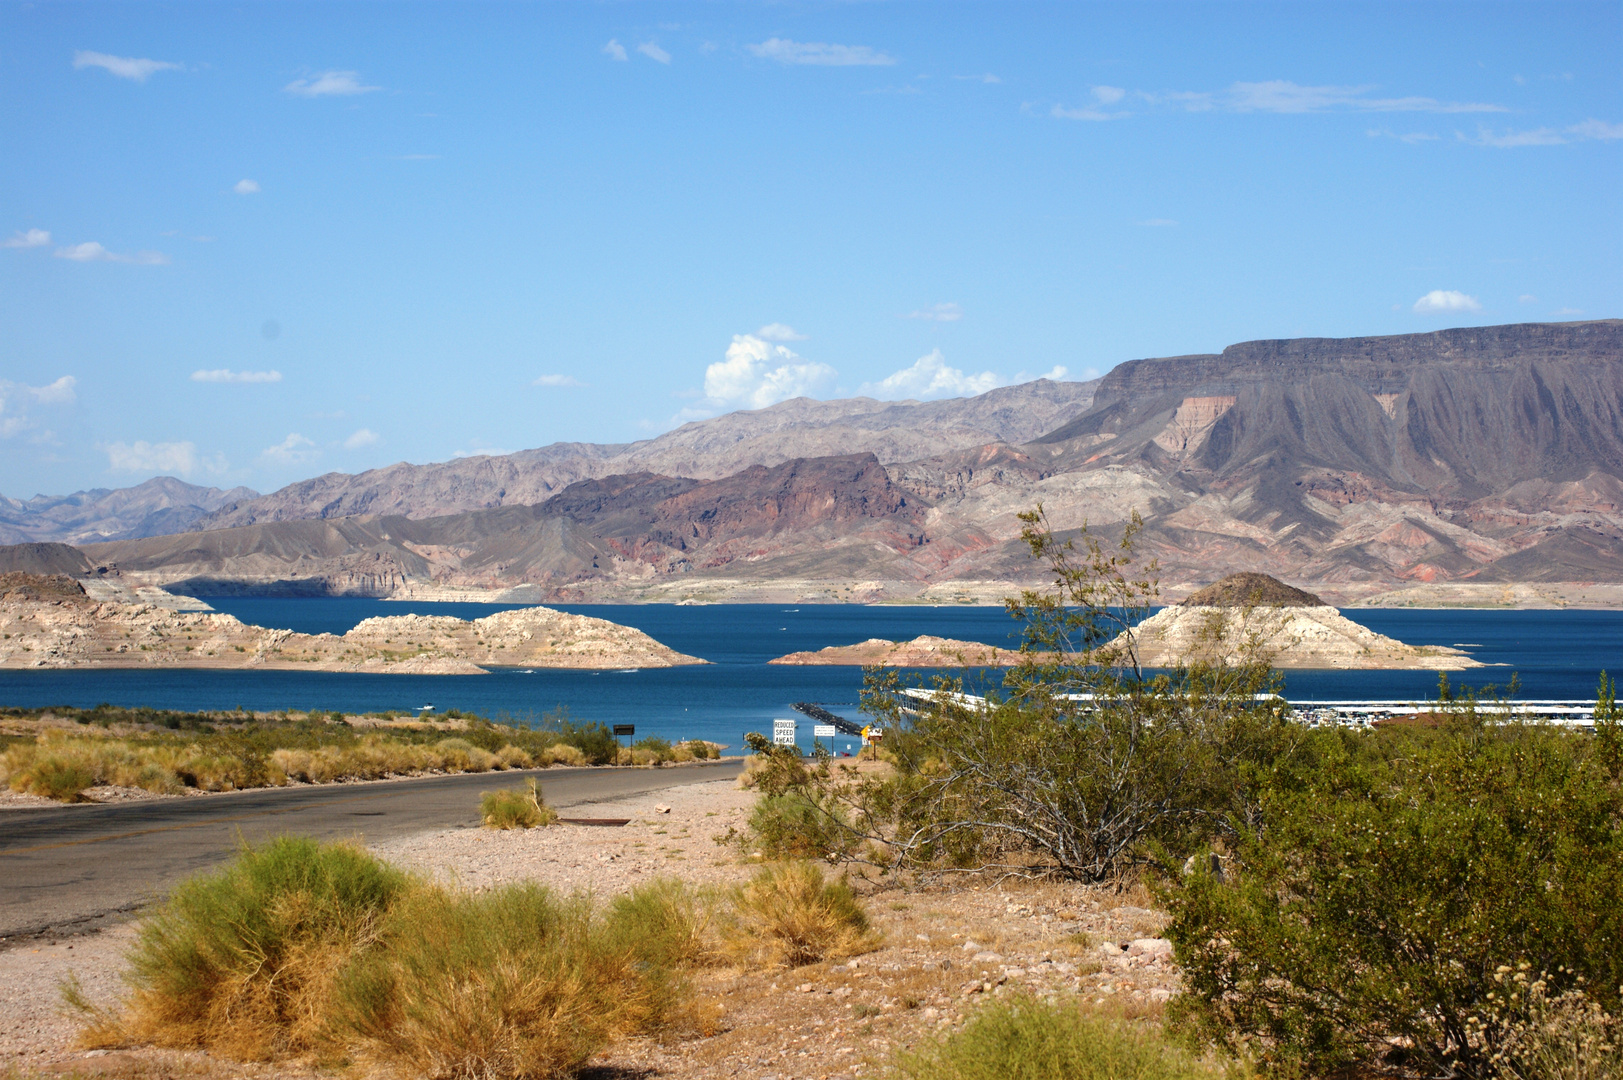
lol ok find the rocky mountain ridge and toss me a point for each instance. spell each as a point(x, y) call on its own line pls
point(159, 506)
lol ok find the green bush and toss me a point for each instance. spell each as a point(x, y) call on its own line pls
point(509, 983)
point(55, 777)
point(666, 923)
point(241, 960)
point(791, 826)
point(1026, 1040)
point(1393, 878)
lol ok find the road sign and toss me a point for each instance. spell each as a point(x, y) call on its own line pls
point(783, 732)
point(873, 734)
point(823, 731)
point(625, 729)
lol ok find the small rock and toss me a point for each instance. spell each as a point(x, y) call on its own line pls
point(987, 957)
point(1160, 994)
point(931, 1014)
point(662, 809)
point(921, 937)
point(804, 988)
point(1149, 947)
point(973, 946)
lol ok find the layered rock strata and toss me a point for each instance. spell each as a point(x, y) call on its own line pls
point(923, 651)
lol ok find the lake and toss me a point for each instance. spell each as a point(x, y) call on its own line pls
point(1558, 654)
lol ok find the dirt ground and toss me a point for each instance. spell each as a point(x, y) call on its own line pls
point(944, 949)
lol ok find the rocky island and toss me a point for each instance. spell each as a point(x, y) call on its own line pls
point(1295, 629)
point(49, 621)
point(923, 651)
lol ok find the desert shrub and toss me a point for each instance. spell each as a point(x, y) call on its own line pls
point(667, 924)
point(55, 776)
point(515, 808)
point(1534, 1035)
point(242, 960)
point(791, 826)
point(509, 983)
point(566, 754)
point(459, 755)
point(658, 750)
point(511, 757)
point(594, 740)
point(788, 915)
point(1391, 881)
point(1027, 1040)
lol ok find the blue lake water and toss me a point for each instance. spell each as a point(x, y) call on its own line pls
point(1558, 654)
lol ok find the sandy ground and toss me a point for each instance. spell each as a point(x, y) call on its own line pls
point(944, 948)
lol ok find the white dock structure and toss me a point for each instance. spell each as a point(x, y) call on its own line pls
point(1576, 713)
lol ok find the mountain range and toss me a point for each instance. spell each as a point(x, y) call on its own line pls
point(1355, 465)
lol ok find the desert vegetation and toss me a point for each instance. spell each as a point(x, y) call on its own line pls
point(321, 952)
point(60, 753)
point(1439, 900)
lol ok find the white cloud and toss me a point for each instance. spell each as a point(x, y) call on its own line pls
point(757, 373)
point(779, 332)
point(615, 50)
point(1527, 298)
point(820, 54)
point(1054, 374)
point(654, 52)
point(483, 451)
point(33, 238)
point(293, 450)
point(1411, 137)
point(165, 457)
point(1108, 95)
point(930, 376)
point(1587, 131)
point(246, 187)
point(125, 67)
point(988, 78)
point(1283, 96)
point(90, 251)
point(1567, 311)
point(1086, 112)
point(363, 437)
point(1159, 223)
point(226, 375)
point(1443, 301)
point(16, 400)
point(330, 84)
point(557, 380)
point(948, 312)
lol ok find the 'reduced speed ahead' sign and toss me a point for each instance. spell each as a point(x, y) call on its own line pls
point(783, 732)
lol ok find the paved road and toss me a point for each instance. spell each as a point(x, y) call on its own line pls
point(73, 869)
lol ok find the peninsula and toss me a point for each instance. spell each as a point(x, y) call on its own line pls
point(923, 651)
point(51, 622)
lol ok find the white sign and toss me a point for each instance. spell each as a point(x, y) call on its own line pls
point(823, 731)
point(783, 732)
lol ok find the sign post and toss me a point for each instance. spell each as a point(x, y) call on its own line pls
point(628, 730)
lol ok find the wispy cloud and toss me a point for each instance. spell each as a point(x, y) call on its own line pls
point(33, 238)
point(1053, 374)
point(615, 51)
point(226, 375)
point(1272, 96)
point(948, 312)
point(930, 377)
point(557, 380)
point(988, 78)
point(293, 450)
point(1589, 130)
point(17, 401)
point(1410, 137)
point(330, 84)
point(363, 437)
point(1445, 301)
point(1562, 311)
point(1527, 298)
point(246, 187)
point(654, 52)
point(757, 373)
point(820, 54)
point(90, 251)
point(1103, 98)
point(125, 67)
point(177, 458)
point(779, 332)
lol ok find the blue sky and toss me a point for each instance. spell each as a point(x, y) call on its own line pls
point(250, 243)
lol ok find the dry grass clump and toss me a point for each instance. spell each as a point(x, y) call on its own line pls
point(564, 754)
point(321, 951)
point(243, 960)
point(1028, 1040)
point(516, 808)
point(61, 767)
point(788, 915)
point(508, 983)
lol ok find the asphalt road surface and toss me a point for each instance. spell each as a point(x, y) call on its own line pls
point(73, 869)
